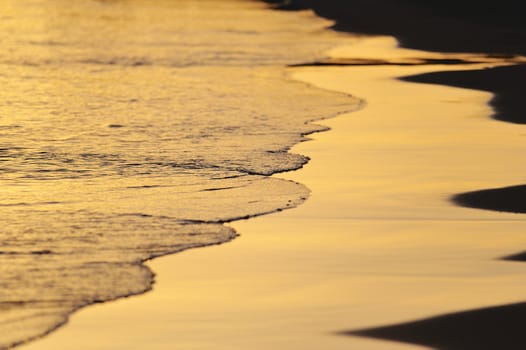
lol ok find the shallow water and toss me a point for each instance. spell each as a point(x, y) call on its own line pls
point(134, 129)
point(378, 242)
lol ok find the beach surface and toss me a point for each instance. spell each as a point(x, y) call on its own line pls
point(378, 242)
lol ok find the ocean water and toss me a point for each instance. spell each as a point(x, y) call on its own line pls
point(131, 129)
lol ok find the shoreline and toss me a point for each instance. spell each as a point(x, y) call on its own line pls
point(386, 222)
point(359, 234)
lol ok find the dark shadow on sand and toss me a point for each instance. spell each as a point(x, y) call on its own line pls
point(493, 328)
point(378, 62)
point(507, 83)
point(521, 257)
point(432, 25)
point(508, 199)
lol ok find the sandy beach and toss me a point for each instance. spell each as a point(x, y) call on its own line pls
point(132, 130)
point(378, 242)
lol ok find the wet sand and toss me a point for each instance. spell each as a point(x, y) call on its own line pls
point(452, 26)
point(379, 241)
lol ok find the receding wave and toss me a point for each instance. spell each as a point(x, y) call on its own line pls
point(131, 131)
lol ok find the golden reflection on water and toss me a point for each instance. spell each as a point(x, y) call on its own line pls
point(378, 242)
point(122, 127)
